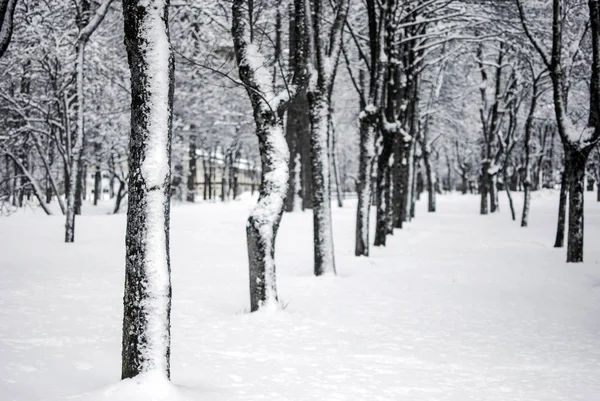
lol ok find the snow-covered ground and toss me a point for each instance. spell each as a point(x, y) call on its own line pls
point(457, 307)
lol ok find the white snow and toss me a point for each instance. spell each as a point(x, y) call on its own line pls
point(158, 52)
point(155, 171)
point(458, 307)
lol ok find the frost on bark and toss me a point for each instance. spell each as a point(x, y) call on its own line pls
point(363, 186)
point(326, 41)
point(324, 262)
point(7, 10)
point(86, 27)
point(147, 299)
point(269, 109)
point(577, 142)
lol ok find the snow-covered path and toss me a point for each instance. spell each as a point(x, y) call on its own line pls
point(457, 307)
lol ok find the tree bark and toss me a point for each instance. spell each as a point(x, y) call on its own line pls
point(384, 192)
point(263, 223)
point(493, 186)
point(97, 186)
point(147, 299)
point(483, 188)
point(322, 223)
point(363, 186)
point(7, 10)
point(562, 208)
point(431, 205)
point(193, 171)
point(577, 162)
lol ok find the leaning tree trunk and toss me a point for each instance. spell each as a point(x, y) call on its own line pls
point(562, 207)
point(363, 186)
point(147, 299)
point(263, 223)
point(7, 10)
point(323, 234)
point(76, 152)
point(577, 163)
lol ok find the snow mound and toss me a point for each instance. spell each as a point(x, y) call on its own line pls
point(151, 386)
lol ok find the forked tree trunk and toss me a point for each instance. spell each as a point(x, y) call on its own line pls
point(263, 222)
point(363, 186)
point(147, 299)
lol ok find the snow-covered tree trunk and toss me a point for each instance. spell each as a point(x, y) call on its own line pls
point(363, 185)
point(384, 192)
point(493, 187)
point(147, 299)
point(7, 10)
point(327, 50)
point(76, 150)
point(322, 223)
point(87, 27)
point(269, 109)
point(263, 222)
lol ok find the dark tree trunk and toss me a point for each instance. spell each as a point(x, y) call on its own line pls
point(97, 186)
point(298, 134)
point(577, 163)
point(384, 192)
point(430, 183)
point(562, 208)
point(120, 195)
point(147, 299)
point(397, 178)
point(192, 173)
point(483, 188)
point(7, 9)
